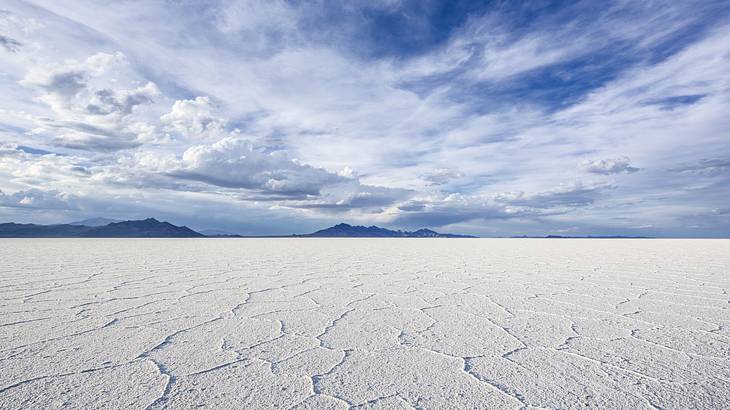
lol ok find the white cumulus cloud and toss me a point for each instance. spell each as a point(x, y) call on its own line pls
point(235, 163)
point(194, 119)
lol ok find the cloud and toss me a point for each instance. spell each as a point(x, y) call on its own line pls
point(710, 167)
point(236, 163)
point(63, 82)
point(353, 197)
point(254, 173)
point(194, 119)
point(38, 199)
point(10, 45)
point(266, 26)
point(88, 116)
point(567, 195)
point(441, 176)
point(108, 102)
point(41, 169)
point(89, 138)
point(440, 209)
point(608, 166)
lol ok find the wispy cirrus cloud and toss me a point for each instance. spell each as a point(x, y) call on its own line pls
point(704, 166)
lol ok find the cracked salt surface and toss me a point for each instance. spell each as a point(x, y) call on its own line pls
point(364, 323)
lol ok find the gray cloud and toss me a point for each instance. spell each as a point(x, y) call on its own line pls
point(65, 83)
point(710, 167)
point(110, 102)
point(353, 196)
point(457, 208)
point(87, 137)
point(93, 142)
point(10, 44)
point(573, 195)
point(442, 214)
point(441, 176)
point(608, 166)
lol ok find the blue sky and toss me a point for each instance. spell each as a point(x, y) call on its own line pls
point(492, 118)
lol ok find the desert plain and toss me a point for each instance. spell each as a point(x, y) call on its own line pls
point(364, 323)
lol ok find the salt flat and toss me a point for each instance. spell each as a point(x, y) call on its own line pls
point(364, 323)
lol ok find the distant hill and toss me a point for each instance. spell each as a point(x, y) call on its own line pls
point(13, 230)
point(146, 228)
point(348, 231)
point(95, 222)
point(149, 227)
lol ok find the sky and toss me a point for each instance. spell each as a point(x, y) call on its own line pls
point(491, 118)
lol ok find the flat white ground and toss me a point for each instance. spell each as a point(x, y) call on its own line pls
point(364, 323)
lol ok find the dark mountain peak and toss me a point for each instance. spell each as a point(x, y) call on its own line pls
point(343, 230)
point(425, 230)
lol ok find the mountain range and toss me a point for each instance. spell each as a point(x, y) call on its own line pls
point(348, 231)
point(145, 228)
point(152, 228)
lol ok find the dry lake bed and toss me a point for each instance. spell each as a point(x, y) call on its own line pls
point(364, 323)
